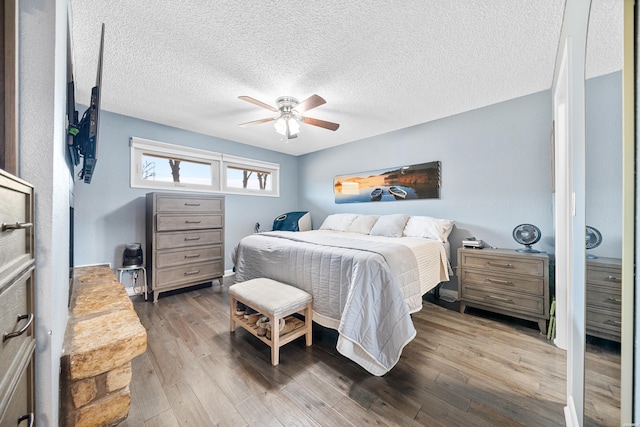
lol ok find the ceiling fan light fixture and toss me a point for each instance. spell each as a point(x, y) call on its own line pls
point(287, 125)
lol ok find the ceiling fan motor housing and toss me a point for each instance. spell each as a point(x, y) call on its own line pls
point(286, 104)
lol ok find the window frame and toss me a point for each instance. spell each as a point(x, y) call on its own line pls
point(219, 163)
point(140, 146)
point(235, 162)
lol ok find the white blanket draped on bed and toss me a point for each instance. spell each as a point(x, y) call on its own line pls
point(365, 288)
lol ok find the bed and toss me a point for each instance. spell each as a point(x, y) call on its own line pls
point(366, 274)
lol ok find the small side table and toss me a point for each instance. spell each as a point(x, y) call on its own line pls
point(135, 270)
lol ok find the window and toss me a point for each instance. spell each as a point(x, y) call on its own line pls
point(247, 176)
point(159, 165)
point(165, 166)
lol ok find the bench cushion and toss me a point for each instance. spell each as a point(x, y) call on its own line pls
point(269, 296)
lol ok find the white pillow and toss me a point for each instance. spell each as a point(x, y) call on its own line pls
point(363, 224)
point(426, 226)
point(338, 222)
point(390, 225)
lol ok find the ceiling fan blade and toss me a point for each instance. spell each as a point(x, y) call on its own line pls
point(258, 103)
point(320, 123)
point(311, 102)
point(257, 122)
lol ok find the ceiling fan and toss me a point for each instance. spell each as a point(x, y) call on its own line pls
point(288, 119)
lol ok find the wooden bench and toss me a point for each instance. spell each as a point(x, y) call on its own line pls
point(276, 301)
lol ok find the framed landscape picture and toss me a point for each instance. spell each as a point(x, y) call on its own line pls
point(421, 181)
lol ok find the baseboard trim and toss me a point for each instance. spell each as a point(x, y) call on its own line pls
point(570, 414)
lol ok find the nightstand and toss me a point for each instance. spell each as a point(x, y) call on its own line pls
point(505, 281)
point(603, 298)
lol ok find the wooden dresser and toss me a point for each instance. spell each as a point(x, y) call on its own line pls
point(185, 240)
point(17, 305)
point(505, 281)
point(603, 298)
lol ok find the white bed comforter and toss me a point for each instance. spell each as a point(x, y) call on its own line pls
point(363, 286)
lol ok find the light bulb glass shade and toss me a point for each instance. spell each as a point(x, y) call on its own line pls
point(287, 126)
point(294, 126)
point(281, 126)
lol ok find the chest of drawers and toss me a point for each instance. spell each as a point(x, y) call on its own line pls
point(185, 240)
point(603, 298)
point(505, 281)
point(17, 305)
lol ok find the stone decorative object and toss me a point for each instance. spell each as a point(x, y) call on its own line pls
point(103, 335)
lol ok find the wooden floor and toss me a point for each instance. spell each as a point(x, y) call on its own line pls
point(460, 370)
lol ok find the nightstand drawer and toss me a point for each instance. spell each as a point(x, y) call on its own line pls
point(603, 320)
point(172, 258)
point(503, 264)
point(606, 277)
point(515, 302)
point(180, 239)
point(189, 204)
point(530, 285)
point(167, 222)
point(604, 298)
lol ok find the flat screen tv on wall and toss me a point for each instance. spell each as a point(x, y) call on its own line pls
point(83, 146)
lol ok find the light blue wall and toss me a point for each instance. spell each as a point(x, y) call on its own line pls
point(603, 179)
point(109, 213)
point(495, 171)
point(495, 175)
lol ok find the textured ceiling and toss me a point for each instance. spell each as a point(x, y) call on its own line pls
point(380, 65)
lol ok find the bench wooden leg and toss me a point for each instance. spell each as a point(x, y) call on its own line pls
point(308, 323)
point(275, 340)
point(232, 312)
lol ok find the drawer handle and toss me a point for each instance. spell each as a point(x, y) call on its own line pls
point(22, 330)
point(16, 226)
point(613, 322)
point(29, 417)
point(503, 299)
point(614, 279)
point(500, 282)
point(499, 264)
point(191, 204)
point(188, 239)
point(191, 273)
point(192, 256)
point(612, 299)
point(192, 222)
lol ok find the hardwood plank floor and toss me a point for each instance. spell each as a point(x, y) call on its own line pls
point(460, 370)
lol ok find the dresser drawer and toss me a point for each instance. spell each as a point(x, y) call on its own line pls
point(171, 222)
point(530, 285)
point(180, 239)
point(503, 264)
point(602, 320)
point(611, 277)
point(172, 258)
point(20, 403)
point(16, 315)
point(604, 298)
point(16, 228)
point(188, 204)
point(516, 302)
point(203, 272)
